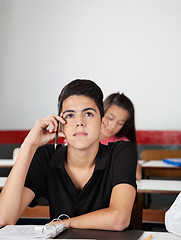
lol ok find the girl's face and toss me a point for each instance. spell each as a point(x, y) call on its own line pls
point(117, 117)
point(83, 122)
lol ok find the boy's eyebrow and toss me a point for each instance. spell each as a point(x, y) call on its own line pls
point(89, 108)
point(67, 111)
point(84, 110)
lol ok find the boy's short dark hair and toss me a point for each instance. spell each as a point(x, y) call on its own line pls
point(86, 88)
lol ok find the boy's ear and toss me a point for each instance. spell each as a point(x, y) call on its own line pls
point(104, 123)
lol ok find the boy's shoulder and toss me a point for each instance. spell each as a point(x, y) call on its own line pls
point(48, 153)
point(115, 147)
point(119, 144)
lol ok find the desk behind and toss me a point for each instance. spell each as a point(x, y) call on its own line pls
point(159, 186)
point(6, 163)
point(150, 186)
point(157, 168)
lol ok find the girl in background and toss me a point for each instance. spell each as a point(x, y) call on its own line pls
point(119, 111)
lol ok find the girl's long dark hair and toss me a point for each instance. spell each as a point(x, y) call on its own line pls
point(128, 130)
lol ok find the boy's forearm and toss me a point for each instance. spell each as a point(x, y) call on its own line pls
point(11, 195)
point(104, 219)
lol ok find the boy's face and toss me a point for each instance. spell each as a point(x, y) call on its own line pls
point(83, 121)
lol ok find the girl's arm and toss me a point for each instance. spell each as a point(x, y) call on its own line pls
point(116, 217)
point(138, 171)
point(14, 197)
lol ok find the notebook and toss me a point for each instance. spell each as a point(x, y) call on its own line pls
point(50, 230)
point(173, 161)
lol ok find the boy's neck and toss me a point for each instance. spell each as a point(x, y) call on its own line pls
point(82, 158)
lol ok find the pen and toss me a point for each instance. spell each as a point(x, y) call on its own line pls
point(149, 237)
point(56, 135)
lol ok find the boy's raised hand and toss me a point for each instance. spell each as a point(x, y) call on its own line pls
point(44, 130)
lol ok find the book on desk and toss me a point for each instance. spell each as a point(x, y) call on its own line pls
point(49, 230)
point(173, 161)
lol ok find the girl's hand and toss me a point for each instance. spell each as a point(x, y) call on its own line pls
point(44, 130)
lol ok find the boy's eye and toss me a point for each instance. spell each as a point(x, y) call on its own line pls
point(69, 116)
point(89, 114)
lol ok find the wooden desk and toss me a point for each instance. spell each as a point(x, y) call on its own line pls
point(37, 212)
point(141, 162)
point(159, 186)
point(157, 168)
point(6, 163)
point(73, 233)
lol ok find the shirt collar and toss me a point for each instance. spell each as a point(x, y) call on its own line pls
point(60, 155)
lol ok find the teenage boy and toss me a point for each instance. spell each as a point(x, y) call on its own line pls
point(92, 183)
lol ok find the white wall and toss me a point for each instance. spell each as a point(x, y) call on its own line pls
point(123, 45)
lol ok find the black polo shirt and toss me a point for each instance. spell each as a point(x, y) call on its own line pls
point(47, 177)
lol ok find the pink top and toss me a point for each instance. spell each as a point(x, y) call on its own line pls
point(113, 139)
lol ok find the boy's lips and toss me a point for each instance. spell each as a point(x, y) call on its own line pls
point(80, 134)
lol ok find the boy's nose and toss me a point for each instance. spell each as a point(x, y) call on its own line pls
point(80, 124)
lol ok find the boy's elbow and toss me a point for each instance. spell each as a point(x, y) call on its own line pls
point(4, 222)
point(119, 223)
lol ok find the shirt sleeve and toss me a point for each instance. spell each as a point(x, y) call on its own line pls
point(125, 162)
point(37, 173)
point(173, 217)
